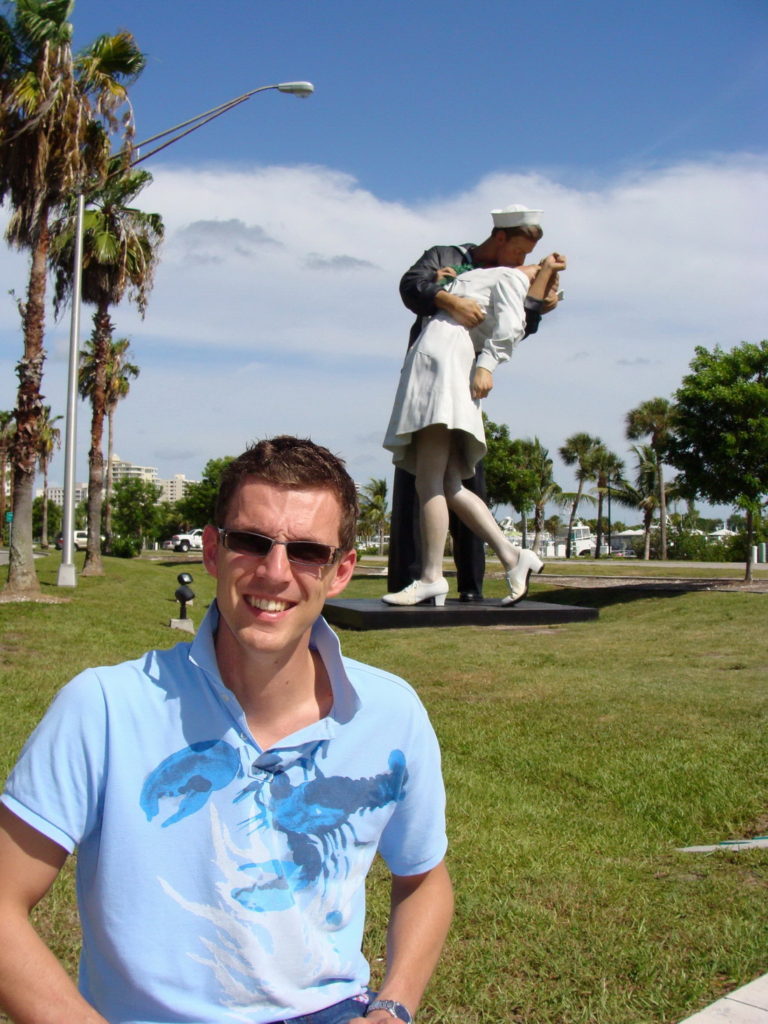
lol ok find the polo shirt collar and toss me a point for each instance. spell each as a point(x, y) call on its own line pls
point(346, 701)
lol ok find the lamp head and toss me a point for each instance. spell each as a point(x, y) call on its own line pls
point(301, 89)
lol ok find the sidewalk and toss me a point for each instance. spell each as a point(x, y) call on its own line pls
point(747, 1005)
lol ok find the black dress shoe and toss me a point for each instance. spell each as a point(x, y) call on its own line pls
point(470, 596)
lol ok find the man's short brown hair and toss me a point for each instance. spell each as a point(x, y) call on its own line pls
point(287, 461)
point(532, 231)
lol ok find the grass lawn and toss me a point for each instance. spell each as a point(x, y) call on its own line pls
point(577, 759)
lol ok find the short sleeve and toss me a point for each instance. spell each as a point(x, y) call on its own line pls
point(57, 783)
point(414, 840)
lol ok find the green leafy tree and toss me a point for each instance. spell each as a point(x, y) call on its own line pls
point(198, 504)
point(510, 480)
point(374, 518)
point(136, 511)
point(81, 515)
point(169, 520)
point(720, 443)
point(52, 515)
point(120, 252)
point(50, 440)
point(578, 450)
point(553, 524)
point(57, 113)
point(545, 491)
point(655, 419)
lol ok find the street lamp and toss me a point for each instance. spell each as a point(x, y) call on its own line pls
point(67, 576)
point(300, 89)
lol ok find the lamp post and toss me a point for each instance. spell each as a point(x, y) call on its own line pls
point(67, 576)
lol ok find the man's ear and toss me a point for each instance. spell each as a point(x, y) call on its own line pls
point(344, 569)
point(497, 238)
point(211, 549)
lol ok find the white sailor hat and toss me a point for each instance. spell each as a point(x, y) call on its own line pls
point(515, 216)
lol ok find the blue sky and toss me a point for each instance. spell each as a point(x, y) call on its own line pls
point(416, 100)
point(639, 128)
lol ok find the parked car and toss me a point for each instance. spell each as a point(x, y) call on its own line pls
point(79, 539)
point(192, 541)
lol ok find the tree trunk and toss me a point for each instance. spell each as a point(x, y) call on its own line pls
point(44, 528)
point(662, 509)
point(538, 527)
point(22, 577)
point(3, 476)
point(599, 529)
point(750, 537)
point(102, 335)
point(108, 489)
point(571, 521)
point(647, 523)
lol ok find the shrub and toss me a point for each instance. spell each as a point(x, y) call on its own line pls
point(126, 547)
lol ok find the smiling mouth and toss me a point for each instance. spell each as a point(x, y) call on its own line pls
point(267, 604)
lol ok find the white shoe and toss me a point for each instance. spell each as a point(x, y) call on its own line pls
point(518, 578)
point(418, 592)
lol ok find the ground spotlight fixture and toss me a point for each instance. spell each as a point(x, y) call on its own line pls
point(184, 593)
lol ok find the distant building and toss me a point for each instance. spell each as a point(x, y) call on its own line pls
point(171, 490)
point(56, 494)
point(128, 471)
point(175, 488)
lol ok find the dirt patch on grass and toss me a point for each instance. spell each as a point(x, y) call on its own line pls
point(520, 629)
point(7, 597)
point(759, 827)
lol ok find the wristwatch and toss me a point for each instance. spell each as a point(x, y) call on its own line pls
point(397, 1010)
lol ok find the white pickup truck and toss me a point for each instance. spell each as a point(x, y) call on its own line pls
point(192, 541)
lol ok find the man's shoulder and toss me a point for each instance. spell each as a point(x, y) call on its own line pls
point(125, 678)
point(443, 252)
point(373, 682)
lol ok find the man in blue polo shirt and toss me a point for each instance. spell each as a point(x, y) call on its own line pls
point(227, 797)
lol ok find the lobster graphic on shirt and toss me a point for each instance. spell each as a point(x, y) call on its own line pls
point(314, 813)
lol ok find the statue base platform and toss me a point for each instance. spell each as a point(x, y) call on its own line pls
point(374, 614)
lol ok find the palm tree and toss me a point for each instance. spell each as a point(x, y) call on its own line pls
point(373, 510)
point(578, 451)
point(607, 469)
point(56, 114)
point(654, 419)
point(120, 252)
point(7, 429)
point(545, 490)
point(50, 439)
point(119, 374)
point(644, 494)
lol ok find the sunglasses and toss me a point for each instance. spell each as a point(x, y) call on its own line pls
point(305, 552)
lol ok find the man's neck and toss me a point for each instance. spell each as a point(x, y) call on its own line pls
point(484, 255)
point(279, 693)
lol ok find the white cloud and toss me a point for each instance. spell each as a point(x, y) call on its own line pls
point(276, 309)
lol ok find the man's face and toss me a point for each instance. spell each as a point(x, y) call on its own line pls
point(268, 604)
point(511, 252)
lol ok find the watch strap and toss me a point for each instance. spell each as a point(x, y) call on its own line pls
point(395, 1009)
